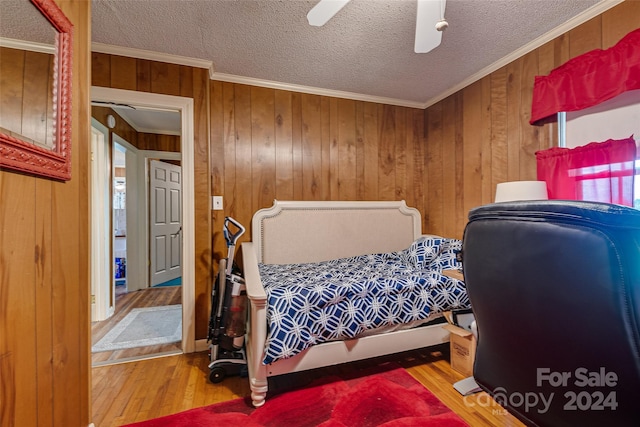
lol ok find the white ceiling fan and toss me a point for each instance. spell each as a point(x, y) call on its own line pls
point(430, 22)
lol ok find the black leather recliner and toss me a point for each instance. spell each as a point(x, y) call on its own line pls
point(555, 289)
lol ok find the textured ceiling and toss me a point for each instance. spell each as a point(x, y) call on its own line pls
point(20, 20)
point(366, 49)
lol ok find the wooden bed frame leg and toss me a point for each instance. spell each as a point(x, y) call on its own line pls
point(258, 391)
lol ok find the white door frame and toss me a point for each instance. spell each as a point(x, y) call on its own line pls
point(102, 290)
point(185, 107)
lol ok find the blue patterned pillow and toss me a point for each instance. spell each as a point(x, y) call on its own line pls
point(434, 252)
point(423, 251)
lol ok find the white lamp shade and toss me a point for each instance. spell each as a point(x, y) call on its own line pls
point(521, 190)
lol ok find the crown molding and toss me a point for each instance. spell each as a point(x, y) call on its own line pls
point(231, 78)
point(583, 17)
point(151, 56)
point(27, 45)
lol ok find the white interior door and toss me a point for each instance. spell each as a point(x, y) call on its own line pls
point(165, 222)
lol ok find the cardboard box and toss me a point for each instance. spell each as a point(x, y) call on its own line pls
point(463, 348)
point(456, 274)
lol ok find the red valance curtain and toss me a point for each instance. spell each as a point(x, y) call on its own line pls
point(588, 79)
point(599, 171)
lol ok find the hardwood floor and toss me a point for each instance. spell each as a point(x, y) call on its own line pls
point(151, 297)
point(137, 391)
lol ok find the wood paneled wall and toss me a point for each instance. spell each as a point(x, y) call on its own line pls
point(122, 128)
point(169, 79)
point(140, 140)
point(44, 274)
point(268, 144)
point(271, 144)
point(481, 136)
point(153, 141)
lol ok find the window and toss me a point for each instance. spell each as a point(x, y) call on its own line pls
point(617, 118)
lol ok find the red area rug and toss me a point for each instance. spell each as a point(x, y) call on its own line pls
point(390, 398)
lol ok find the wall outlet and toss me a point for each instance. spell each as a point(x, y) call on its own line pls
point(216, 203)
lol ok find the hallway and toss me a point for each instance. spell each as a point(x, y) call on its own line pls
point(152, 297)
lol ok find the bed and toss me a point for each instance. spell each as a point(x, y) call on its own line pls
point(298, 240)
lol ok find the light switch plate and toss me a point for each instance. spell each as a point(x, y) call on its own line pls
point(216, 203)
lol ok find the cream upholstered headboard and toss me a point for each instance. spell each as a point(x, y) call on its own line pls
point(292, 232)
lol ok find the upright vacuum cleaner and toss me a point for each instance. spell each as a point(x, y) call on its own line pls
point(227, 322)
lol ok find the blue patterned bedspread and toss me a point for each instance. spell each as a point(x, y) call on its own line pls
point(313, 303)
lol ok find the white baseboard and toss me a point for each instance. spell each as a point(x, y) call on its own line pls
point(202, 345)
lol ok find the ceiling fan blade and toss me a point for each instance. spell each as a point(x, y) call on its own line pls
point(428, 14)
point(324, 10)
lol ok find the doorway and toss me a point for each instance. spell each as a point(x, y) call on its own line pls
point(142, 321)
point(185, 108)
point(119, 217)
